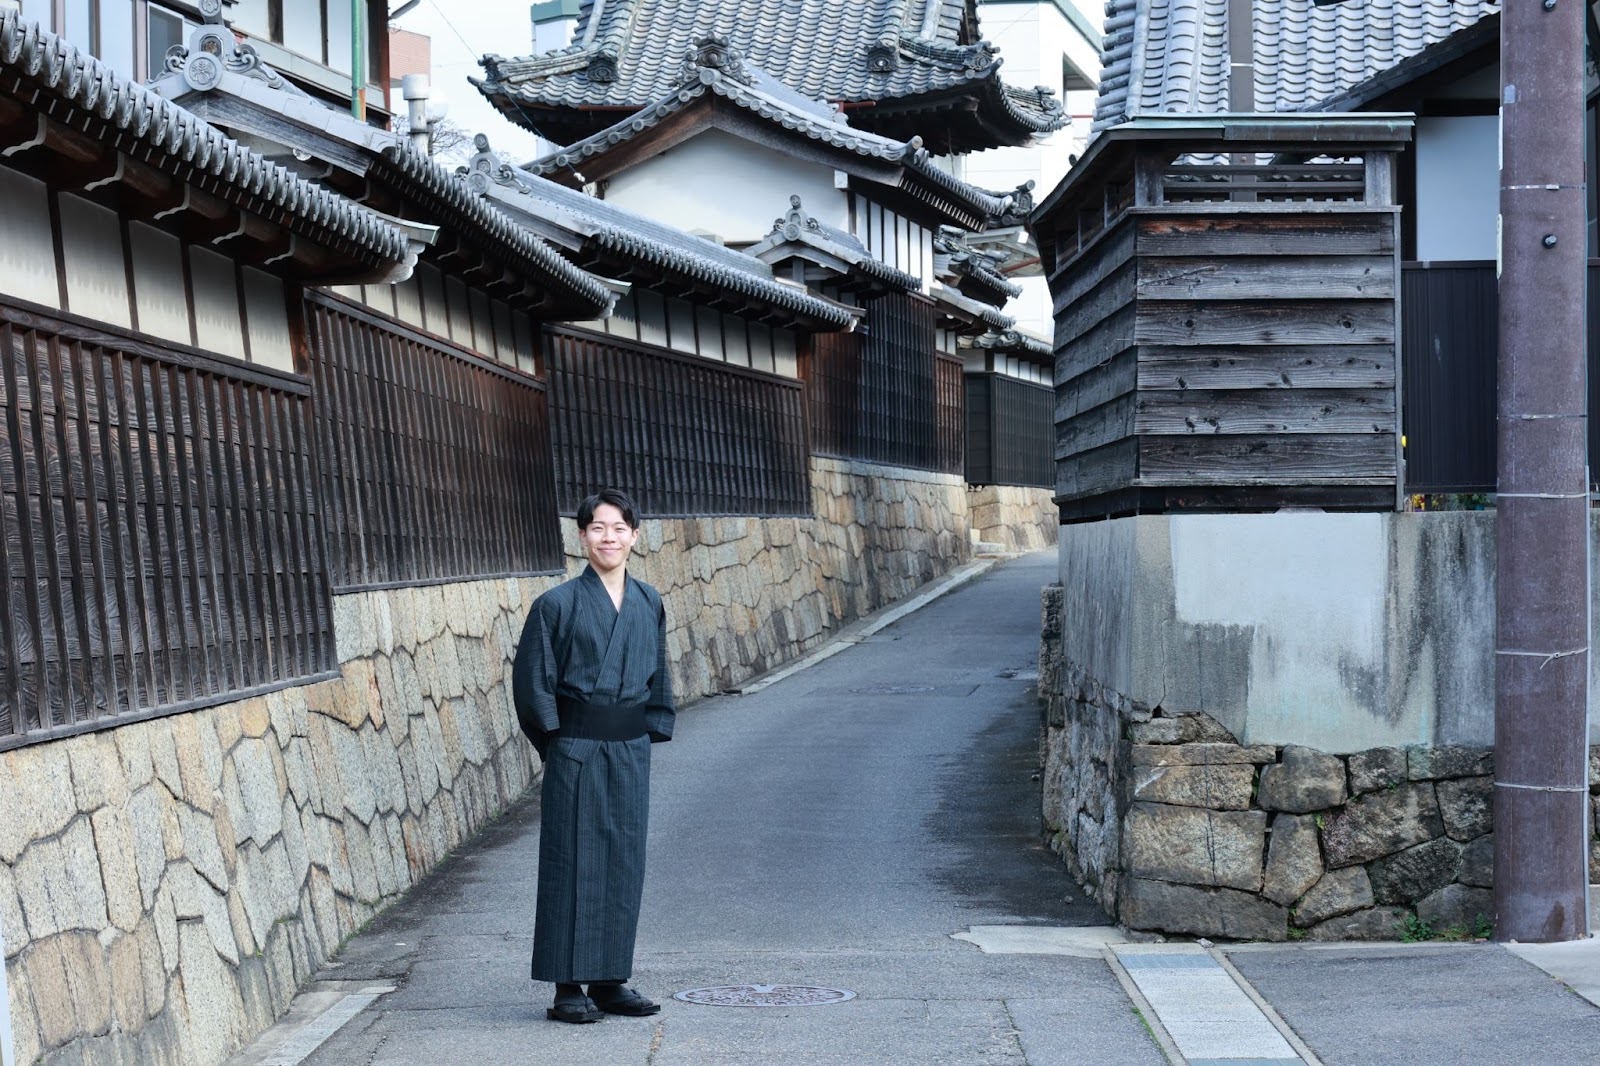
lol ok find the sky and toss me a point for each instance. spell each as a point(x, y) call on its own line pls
point(461, 32)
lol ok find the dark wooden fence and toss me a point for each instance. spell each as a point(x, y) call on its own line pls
point(882, 394)
point(1450, 338)
point(951, 428)
point(1010, 439)
point(436, 463)
point(681, 434)
point(161, 548)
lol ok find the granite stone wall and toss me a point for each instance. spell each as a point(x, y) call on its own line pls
point(1175, 827)
point(1017, 519)
point(166, 886)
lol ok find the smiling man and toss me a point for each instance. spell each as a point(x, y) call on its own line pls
point(592, 693)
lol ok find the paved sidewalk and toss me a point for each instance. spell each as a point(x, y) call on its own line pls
point(870, 824)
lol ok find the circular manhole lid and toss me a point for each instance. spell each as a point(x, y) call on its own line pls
point(765, 996)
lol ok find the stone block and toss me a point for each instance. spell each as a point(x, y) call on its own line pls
point(1467, 806)
point(13, 929)
point(149, 852)
point(1477, 863)
point(201, 847)
point(119, 869)
point(1382, 823)
point(1376, 768)
point(1429, 764)
point(79, 896)
point(1294, 858)
point(1339, 892)
point(1415, 872)
point(24, 1023)
point(1220, 788)
point(126, 983)
point(1305, 780)
point(255, 809)
point(1182, 729)
point(39, 797)
point(1457, 908)
point(52, 994)
point(1378, 923)
point(212, 1012)
point(1195, 846)
point(1202, 754)
point(98, 779)
point(1184, 909)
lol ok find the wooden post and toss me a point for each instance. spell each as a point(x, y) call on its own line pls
point(1541, 795)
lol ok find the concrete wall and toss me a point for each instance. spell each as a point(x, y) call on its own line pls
point(166, 886)
point(1269, 726)
point(1017, 519)
point(1338, 632)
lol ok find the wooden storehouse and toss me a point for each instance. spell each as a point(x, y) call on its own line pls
point(1226, 305)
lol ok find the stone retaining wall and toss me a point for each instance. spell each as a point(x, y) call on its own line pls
point(166, 886)
point(1017, 519)
point(1175, 827)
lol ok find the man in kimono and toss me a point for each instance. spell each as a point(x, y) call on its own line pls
point(592, 693)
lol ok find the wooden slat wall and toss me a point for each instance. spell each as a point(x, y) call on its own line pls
point(878, 394)
point(161, 545)
point(436, 464)
point(1229, 349)
point(951, 416)
point(683, 435)
point(1009, 434)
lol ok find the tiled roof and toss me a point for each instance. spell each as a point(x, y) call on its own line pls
point(717, 70)
point(629, 240)
point(626, 53)
point(78, 89)
point(797, 230)
point(965, 307)
point(1016, 342)
point(972, 269)
point(1172, 55)
point(236, 75)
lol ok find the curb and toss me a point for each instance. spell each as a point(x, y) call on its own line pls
point(862, 628)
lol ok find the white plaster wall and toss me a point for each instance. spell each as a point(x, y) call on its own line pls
point(27, 250)
point(158, 283)
point(97, 277)
point(717, 183)
point(1458, 187)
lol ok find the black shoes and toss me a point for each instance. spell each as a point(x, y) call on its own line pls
point(620, 999)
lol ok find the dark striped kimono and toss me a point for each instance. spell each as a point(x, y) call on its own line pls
point(596, 796)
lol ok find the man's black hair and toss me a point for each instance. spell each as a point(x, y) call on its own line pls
point(620, 500)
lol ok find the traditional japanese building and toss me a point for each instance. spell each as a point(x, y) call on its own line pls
point(839, 141)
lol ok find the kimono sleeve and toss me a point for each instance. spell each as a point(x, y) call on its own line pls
point(533, 677)
point(659, 712)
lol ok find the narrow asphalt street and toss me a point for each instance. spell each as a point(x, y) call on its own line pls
point(834, 829)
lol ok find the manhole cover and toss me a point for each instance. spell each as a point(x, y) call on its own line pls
point(765, 996)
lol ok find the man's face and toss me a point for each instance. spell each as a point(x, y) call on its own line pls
point(608, 539)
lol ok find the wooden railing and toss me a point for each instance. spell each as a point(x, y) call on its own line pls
point(436, 464)
point(682, 434)
point(160, 548)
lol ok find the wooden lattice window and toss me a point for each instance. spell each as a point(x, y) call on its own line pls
point(159, 545)
point(436, 463)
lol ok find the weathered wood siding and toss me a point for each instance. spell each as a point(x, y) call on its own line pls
point(161, 547)
point(950, 418)
point(682, 434)
point(436, 463)
point(1247, 353)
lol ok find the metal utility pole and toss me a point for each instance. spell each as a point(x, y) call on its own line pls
point(1542, 616)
